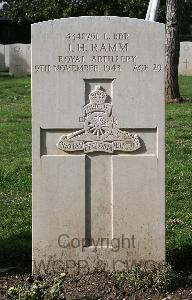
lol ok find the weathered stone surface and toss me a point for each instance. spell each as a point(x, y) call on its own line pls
point(98, 143)
point(7, 56)
point(28, 55)
point(2, 57)
point(18, 60)
point(185, 59)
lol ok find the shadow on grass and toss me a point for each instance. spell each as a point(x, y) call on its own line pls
point(181, 259)
point(16, 252)
point(6, 75)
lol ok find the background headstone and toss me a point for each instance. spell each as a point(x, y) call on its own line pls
point(28, 54)
point(97, 84)
point(2, 57)
point(185, 59)
point(7, 56)
point(18, 60)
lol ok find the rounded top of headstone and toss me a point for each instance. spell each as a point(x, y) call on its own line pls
point(186, 47)
point(97, 96)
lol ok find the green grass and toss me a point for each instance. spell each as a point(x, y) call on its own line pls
point(15, 173)
point(179, 183)
point(185, 83)
point(15, 170)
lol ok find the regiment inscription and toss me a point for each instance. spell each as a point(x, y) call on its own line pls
point(96, 52)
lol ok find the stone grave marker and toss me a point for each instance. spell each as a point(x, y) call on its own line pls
point(185, 59)
point(7, 56)
point(98, 143)
point(18, 60)
point(28, 54)
point(2, 57)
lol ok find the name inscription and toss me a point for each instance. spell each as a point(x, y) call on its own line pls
point(95, 52)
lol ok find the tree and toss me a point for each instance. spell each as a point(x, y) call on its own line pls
point(186, 28)
point(35, 10)
point(172, 48)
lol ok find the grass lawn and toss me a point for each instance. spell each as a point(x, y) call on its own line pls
point(179, 179)
point(185, 83)
point(15, 171)
point(15, 174)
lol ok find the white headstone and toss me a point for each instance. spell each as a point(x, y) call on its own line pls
point(98, 143)
point(2, 57)
point(185, 59)
point(7, 55)
point(28, 54)
point(18, 60)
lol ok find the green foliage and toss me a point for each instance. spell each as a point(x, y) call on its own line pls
point(179, 178)
point(185, 87)
point(123, 8)
point(158, 278)
point(34, 10)
point(39, 290)
point(179, 174)
point(186, 22)
point(15, 171)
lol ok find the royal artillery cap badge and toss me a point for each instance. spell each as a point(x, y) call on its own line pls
point(100, 131)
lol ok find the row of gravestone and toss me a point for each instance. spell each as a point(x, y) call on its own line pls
point(185, 60)
point(16, 58)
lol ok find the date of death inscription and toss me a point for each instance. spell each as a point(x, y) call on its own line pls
point(93, 52)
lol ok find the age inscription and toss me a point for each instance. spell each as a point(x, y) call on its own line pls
point(98, 52)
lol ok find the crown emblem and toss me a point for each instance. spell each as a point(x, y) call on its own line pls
point(97, 96)
point(97, 102)
point(100, 131)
